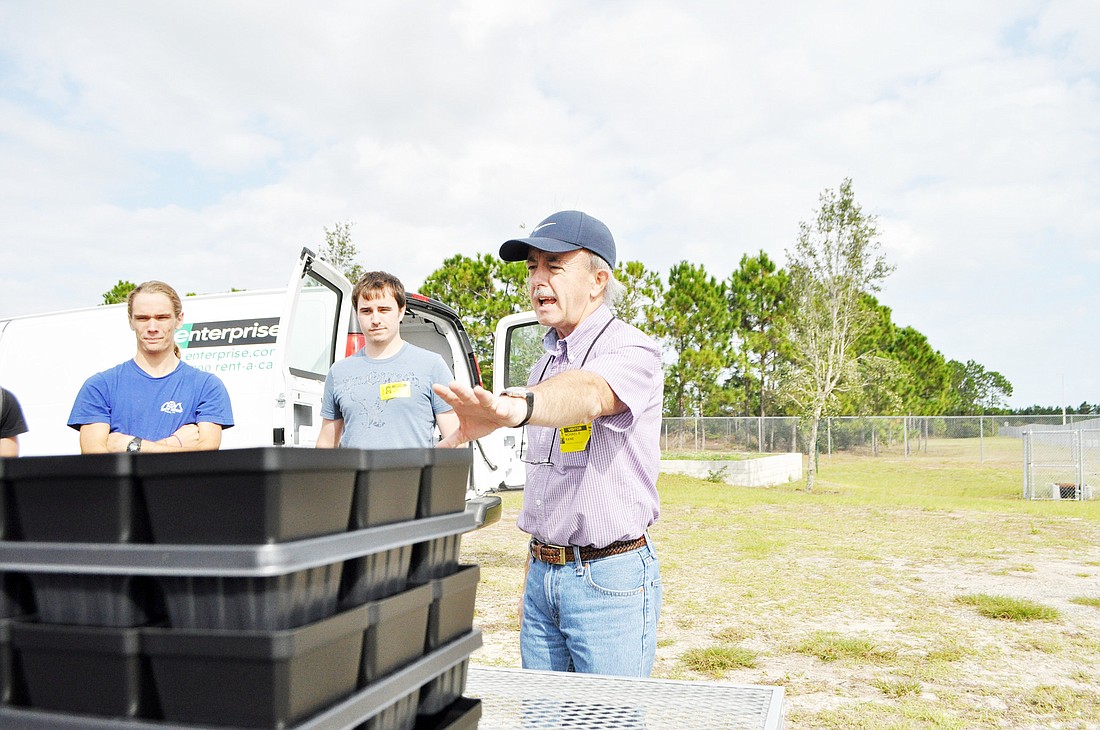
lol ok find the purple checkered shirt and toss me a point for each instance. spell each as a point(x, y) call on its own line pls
point(608, 492)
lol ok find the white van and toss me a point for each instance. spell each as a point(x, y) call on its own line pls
point(271, 348)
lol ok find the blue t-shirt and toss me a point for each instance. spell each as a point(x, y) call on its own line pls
point(133, 402)
point(387, 403)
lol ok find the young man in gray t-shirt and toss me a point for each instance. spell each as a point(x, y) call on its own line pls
point(381, 397)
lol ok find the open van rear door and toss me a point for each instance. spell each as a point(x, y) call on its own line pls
point(517, 346)
point(312, 335)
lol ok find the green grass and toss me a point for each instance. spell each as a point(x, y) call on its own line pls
point(830, 647)
point(1086, 601)
point(848, 593)
point(899, 688)
point(715, 661)
point(1008, 608)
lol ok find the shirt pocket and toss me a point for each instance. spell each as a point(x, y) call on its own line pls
point(575, 459)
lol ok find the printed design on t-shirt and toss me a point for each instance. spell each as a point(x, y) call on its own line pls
point(365, 391)
point(171, 406)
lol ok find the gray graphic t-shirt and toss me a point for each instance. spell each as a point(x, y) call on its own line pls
point(389, 403)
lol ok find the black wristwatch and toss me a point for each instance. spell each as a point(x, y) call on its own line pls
point(134, 445)
point(528, 395)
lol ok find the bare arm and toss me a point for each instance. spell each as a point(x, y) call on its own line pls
point(96, 438)
point(93, 438)
point(329, 435)
point(575, 396)
point(447, 423)
point(9, 446)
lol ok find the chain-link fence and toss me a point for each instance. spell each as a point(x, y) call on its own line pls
point(1062, 462)
point(979, 438)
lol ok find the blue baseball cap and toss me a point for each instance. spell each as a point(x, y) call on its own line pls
point(565, 231)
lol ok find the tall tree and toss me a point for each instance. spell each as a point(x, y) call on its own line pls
point(642, 295)
point(341, 252)
point(482, 290)
point(118, 293)
point(928, 387)
point(835, 260)
point(758, 297)
point(694, 324)
point(976, 390)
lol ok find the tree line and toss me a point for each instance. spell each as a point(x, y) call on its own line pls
point(769, 340)
point(808, 338)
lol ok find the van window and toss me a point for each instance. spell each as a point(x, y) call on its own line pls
point(312, 347)
point(523, 351)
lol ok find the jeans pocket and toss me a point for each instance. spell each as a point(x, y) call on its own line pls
point(622, 575)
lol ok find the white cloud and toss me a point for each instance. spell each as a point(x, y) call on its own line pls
point(212, 140)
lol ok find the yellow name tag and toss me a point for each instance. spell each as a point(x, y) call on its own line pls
point(389, 391)
point(575, 438)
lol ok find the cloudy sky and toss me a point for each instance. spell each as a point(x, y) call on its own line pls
point(205, 143)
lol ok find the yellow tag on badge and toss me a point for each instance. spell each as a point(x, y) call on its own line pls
point(389, 391)
point(575, 438)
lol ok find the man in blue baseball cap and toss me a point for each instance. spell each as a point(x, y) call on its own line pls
point(592, 408)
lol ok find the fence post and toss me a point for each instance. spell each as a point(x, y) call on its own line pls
point(981, 437)
point(829, 431)
point(905, 433)
point(1080, 459)
point(1027, 464)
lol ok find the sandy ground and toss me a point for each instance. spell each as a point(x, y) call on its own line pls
point(1039, 674)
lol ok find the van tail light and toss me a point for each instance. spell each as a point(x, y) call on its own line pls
point(356, 341)
point(477, 371)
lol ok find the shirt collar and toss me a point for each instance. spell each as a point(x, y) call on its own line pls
point(581, 338)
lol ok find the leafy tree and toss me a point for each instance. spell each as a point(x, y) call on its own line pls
point(482, 290)
point(119, 292)
point(758, 298)
point(976, 390)
point(834, 262)
point(642, 296)
point(927, 389)
point(339, 251)
point(694, 323)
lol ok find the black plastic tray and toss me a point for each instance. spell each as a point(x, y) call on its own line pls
point(443, 691)
point(81, 669)
point(434, 558)
point(242, 560)
point(90, 599)
point(247, 496)
point(75, 498)
point(463, 714)
point(264, 679)
point(261, 603)
point(344, 715)
point(453, 605)
point(395, 636)
point(443, 482)
point(387, 487)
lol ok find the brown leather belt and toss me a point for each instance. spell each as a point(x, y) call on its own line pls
point(562, 554)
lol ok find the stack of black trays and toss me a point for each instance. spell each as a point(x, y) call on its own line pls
point(252, 588)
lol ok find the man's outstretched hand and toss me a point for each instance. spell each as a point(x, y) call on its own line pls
point(479, 412)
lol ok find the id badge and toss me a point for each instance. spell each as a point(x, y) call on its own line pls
point(574, 438)
point(389, 391)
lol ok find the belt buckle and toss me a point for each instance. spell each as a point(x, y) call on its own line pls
point(544, 552)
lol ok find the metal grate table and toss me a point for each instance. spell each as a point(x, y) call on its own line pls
point(522, 698)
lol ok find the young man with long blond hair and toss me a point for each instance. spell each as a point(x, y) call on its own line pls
point(154, 402)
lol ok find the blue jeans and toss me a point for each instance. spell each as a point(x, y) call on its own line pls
point(598, 617)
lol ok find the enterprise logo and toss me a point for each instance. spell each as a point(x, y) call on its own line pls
point(229, 332)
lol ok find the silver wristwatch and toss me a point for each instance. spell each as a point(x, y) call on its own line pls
point(528, 395)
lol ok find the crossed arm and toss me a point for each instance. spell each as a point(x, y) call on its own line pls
point(96, 438)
